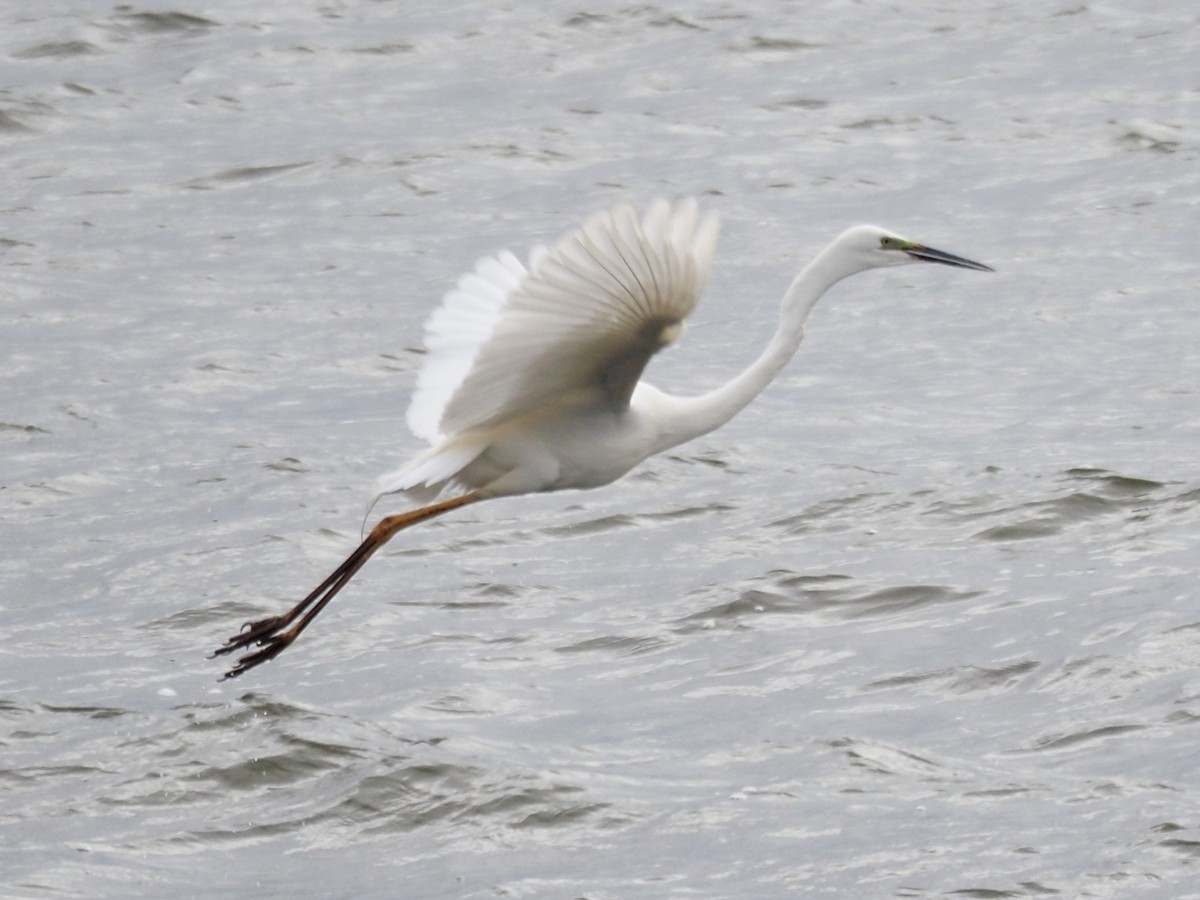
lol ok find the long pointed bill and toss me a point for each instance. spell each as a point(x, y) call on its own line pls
point(928, 254)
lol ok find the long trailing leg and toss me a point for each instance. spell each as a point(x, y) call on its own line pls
point(275, 634)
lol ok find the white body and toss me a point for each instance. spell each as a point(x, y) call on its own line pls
point(532, 379)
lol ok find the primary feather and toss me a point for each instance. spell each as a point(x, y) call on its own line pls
point(584, 318)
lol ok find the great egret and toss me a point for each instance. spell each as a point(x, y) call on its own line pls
point(531, 382)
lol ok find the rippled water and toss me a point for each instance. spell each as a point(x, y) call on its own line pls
point(921, 622)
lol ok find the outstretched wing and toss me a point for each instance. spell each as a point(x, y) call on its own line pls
point(583, 320)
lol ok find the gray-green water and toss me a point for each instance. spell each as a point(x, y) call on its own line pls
point(922, 622)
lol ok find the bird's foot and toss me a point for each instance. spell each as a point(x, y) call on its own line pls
point(266, 634)
point(255, 632)
point(270, 646)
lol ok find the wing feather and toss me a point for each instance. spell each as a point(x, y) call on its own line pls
point(581, 322)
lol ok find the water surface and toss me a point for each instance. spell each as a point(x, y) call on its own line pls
point(921, 622)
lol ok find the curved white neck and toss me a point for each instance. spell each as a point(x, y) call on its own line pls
point(685, 418)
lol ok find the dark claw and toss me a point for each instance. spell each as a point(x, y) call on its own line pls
point(270, 648)
point(264, 633)
point(252, 633)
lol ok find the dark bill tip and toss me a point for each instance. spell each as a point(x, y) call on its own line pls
point(928, 254)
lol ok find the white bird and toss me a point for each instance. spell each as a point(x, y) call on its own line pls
point(532, 378)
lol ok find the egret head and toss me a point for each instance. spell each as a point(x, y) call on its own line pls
point(873, 247)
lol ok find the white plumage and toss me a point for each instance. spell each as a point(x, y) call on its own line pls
point(578, 325)
point(532, 378)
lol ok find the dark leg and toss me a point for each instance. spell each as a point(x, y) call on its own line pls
point(275, 634)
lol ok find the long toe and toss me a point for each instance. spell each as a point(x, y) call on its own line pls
point(271, 648)
point(256, 632)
